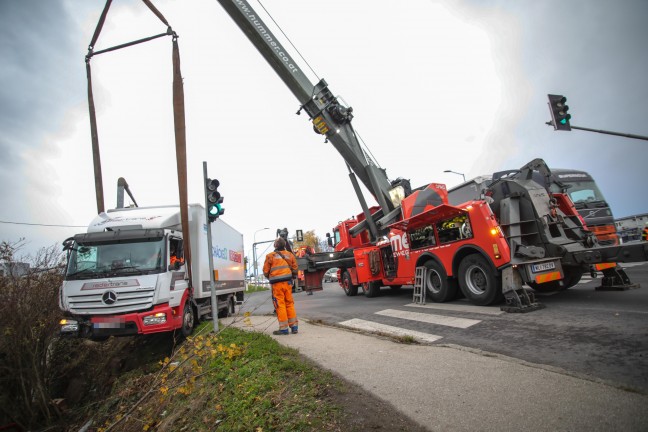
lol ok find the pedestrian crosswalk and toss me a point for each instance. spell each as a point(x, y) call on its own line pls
point(374, 327)
point(429, 318)
point(424, 318)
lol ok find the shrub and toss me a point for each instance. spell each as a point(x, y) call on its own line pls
point(29, 316)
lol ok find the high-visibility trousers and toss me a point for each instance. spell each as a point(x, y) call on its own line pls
point(284, 304)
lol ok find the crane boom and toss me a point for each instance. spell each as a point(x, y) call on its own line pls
point(329, 116)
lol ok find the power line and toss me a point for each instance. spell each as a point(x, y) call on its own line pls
point(47, 225)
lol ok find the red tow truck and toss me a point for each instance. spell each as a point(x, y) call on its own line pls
point(520, 233)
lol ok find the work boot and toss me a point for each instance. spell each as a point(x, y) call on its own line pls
point(280, 332)
point(294, 329)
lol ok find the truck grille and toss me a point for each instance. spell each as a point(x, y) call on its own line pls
point(124, 301)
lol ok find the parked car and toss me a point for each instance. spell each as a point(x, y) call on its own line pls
point(331, 275)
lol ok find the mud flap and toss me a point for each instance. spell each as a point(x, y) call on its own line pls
point(616, 279)
point(517, 298)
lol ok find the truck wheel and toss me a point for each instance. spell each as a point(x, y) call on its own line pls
point(228, 310)
point(438, 287)
point(347, 284)
point(187, 320)
point(478, 282)
point(371, 289)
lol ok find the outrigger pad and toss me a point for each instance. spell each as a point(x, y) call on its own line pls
point(613, 287)
point(523, 309)
point(520, 301)
point(616, 279)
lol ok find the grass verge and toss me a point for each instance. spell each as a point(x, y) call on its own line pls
point(256, 288)
point(233, 381)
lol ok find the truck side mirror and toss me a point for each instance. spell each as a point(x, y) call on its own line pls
point(175, 266)
point(68, 244)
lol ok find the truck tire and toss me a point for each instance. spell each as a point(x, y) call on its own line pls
point(188, 320)
point(229, 310)
point(347, 284)
point(438, 287)
point(371, 289)
point(478, 281)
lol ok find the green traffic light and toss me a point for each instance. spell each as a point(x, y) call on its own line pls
point(216, 210)
point(566, 119)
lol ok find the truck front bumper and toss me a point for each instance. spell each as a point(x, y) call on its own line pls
point(161, 318)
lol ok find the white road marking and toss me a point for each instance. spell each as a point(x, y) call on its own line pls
point(632, 264)
point(371, 326)
point(486, 310)
point(429, 318)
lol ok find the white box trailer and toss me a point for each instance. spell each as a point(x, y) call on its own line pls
point(127, 275)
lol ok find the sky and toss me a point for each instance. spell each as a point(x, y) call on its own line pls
point(435, 85)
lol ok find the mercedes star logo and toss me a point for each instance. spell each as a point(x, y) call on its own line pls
point(109, 297)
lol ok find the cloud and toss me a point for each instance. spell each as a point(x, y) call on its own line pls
point(458, 86)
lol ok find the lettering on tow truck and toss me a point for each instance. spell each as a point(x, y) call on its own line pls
point(267, 36)
point(400, 244)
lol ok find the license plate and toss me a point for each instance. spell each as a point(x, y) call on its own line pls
point(107, 325)
point(543, 267)
point(110, 323)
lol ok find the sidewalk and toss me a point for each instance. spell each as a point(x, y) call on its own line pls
point(450, 388)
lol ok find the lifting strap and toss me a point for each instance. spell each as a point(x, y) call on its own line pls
point(178, 118)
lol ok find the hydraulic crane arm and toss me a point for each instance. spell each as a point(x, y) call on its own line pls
point(328, 115)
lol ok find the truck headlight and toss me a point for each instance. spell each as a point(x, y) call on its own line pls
point(69, 326)
point(158, 318)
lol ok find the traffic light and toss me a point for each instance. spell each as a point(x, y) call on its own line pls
point(213, 200)
point(558, 107)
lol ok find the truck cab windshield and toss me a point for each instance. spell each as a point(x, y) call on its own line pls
point(111, 259)
point(582, 193)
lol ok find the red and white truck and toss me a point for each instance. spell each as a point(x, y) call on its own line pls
point(127, 274)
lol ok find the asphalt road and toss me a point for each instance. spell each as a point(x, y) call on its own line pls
point(602, 334)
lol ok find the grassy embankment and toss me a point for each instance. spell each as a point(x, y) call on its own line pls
point(231, 381)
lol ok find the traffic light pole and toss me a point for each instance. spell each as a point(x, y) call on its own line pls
point(625, 135)
point(212, 288)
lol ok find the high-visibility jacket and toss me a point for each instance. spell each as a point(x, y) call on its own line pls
point(280, 266)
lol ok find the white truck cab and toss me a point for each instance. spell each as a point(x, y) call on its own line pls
point(128, 275)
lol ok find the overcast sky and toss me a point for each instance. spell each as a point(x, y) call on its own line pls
point(435, 85)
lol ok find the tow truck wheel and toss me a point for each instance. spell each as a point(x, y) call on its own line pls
point(347, 284)
point(438, 287)
point(187, 320)
point(371, 289)
point(478, 282)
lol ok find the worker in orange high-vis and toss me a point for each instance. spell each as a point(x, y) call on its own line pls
point(280, 268)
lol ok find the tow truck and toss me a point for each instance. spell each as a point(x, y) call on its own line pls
point(520, 233)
